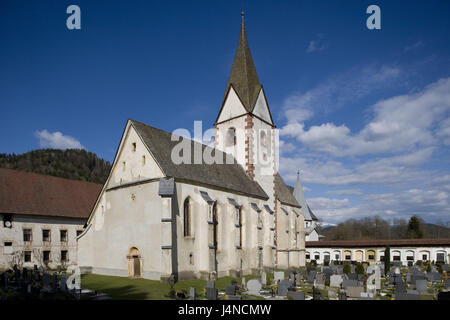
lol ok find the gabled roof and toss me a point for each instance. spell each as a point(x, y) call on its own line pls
point(243, 76)
point(231, 177)
point(284, 194)
point(41, 195)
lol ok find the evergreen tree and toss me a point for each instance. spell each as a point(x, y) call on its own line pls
point(347, 269)
point(359, 268)
point(414, 230)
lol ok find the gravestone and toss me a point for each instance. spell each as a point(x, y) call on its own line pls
point(296, 295)
point(400, 287)
point(319, 282)
point(54, 282)
point(263, 278)
point(342, 296)
point(243, 282)
point(278, 276)
point(397, 270)
point(41, 270)
point(445, 267)
point(192, 293)
point(297, 279)
point(254, 286)
point(211, 293)
point(5, 279)
point(354, 292)
point(335, 280)
point(374, 277)
point(352, 276)
point(447, 284)
point(311, 277)
point(230, 290)
point(406, 296)
point(46, 280)
point(210, 284)
point(317, 295)
point(349, 283)
point(421, 286)
point(445, 296)
point(433, 276)
point(415, 277)
point(412, 292)
point(283, 287)
point(332, 294)
point(63, 284)
point(233, 297)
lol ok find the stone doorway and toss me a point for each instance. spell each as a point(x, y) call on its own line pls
point(134, 263)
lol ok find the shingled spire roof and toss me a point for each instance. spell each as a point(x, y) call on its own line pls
point(243, 75)
point(300, 197)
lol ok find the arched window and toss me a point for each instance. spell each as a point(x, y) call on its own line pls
point(187, 217)
point(231, 136)
point(263, 138)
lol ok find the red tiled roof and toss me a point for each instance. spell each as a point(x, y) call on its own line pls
point(377, 243)
point(35, 194)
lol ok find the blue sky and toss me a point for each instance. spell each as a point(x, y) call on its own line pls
point(365, 114)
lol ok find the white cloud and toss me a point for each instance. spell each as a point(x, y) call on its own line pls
point(345, 192)
point(57, 140)
point(316, 44)
point(414, 46)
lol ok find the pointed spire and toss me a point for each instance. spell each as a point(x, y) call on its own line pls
point(243, 75)
point(300, 197)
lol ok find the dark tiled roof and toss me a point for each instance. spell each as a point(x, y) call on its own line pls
point(284, 193)
point(312, 214)
point(231, 177)
point(243, 76)
point(35, 194)
point(377, 243)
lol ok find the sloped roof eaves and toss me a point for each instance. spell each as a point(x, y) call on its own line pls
point(35, 194)
point(225, 176)
point(284, 194)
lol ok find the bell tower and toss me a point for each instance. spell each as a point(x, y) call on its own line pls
point(244, 125)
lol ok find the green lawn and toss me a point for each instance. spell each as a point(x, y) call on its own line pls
point(143, 289)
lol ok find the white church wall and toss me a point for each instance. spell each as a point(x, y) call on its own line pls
point(232, 107)
point(261, 109)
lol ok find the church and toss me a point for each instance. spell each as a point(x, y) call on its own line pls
point(165, 212)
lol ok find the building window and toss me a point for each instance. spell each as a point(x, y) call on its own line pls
point(63, 235)
point(240, 227)
point(64, 255)
point(7, 247)
point(46, 235)
point(27, 235)
point(440, 257)
point(79, 232)
point(396, 258)
point(191, 258)
point(187, 217)
point(123, 166)
point(231, 137)
point(308, 256)
point(27, 256)
point(348, 257)
point(424, 257)
point(7, 221)
point(46, 256)
point(133, 146)
point(317, 257)
point(143, 160)
point(371, 257)
point(336, 257)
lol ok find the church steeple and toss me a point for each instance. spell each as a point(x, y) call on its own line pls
point(243, 76)
point(300, 197)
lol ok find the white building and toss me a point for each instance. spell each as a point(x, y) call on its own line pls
point(406, 251)
point(311, 221)
point(192, 217)
point(41, 217)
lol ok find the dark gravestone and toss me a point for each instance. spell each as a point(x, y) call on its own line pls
point(342, 296)
point(444, 296)
point(400, 287)
point(311, 277)
point(54, 282)
point(317, 295)
point(296, 295)
point(349, 283)
point(434, 276)
point(232, 297)
point(406, 296)
point(445, 267)
point(210, 284)
point(352, 276)
point(283, 287)
point(211, 293)
point(230, 290)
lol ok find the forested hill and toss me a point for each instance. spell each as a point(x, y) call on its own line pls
point(375, 228)
point(73, 164)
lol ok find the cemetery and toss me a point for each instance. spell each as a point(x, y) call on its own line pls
point(340, 281)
